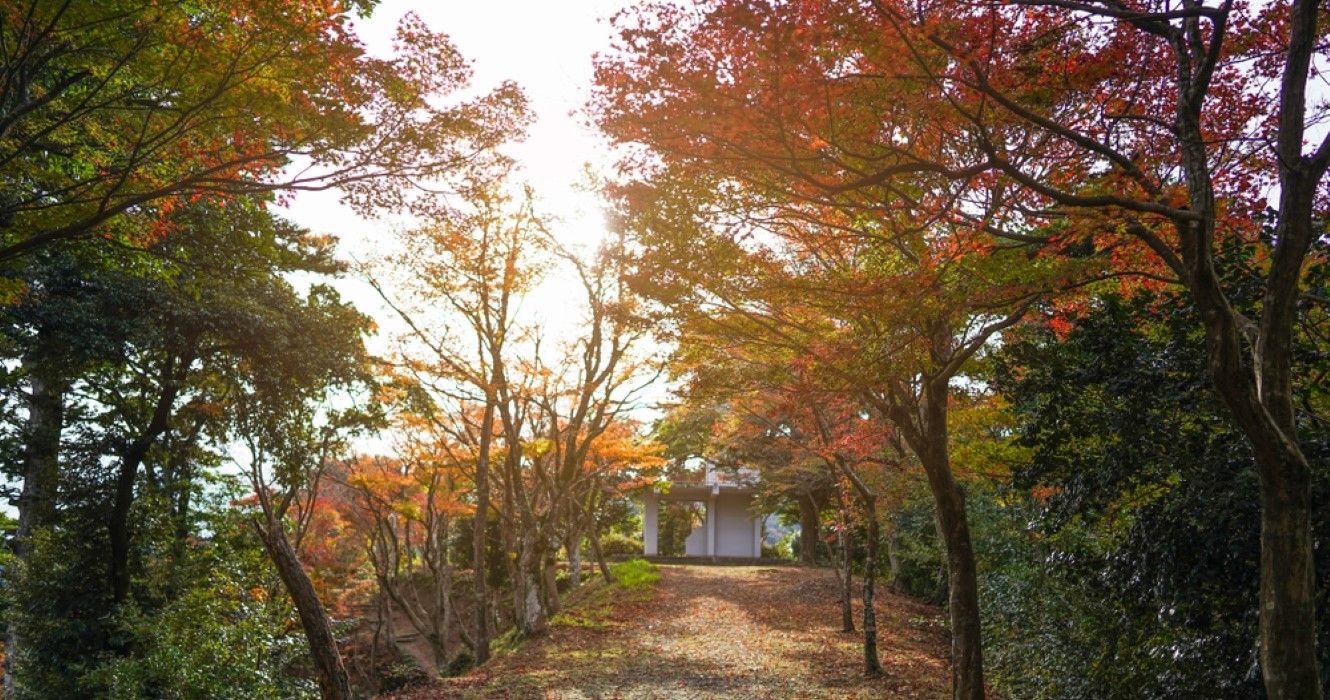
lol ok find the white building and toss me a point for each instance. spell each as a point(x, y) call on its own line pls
point(730, 528)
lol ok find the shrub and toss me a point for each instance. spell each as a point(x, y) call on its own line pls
point(459, 665)
point(618, 546)
point(402, 675)
point(635, 573)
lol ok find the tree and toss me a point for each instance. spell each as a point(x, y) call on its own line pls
point(740, 268)
point(137, 341)
point(474, 265)
point(619, 461)
point(114, 113)
point(1145, 542)
point(406, 508)
point(1137, 129)
point(280, 413)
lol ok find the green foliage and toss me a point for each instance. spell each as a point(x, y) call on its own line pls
point(95, 142)
point(1124, 563)
point(635, 573)
point(210, 626)
point(676, 521)
point(128, 335)
point(615, 546)
point(206, 644)
point(461, 663)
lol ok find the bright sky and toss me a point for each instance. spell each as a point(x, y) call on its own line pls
point(544, 46)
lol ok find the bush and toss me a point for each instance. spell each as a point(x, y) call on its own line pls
point(204, 645)
point(635, 573)
point(402, 675)
point(617, 546)
point(459, 665)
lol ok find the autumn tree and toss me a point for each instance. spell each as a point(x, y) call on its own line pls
point(823, 432)
point(405, 509)
point(843, 288)
point(1140, 129)
point(618, 462)
point(474, 268)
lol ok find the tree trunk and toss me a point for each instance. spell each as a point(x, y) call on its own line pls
point(334, 683)
point(179, 474)
point(872, 665)
point(1262, 408)
point(600, 554)
point(531, 619)
point(37, 500)
point(893, 559)
point(130, 461)
point(1288, 581)
point(550, 576)
point(575, 560)
point(847, 583)
point(480, 538)
point(1251, 363)
point(443, 590)
point(809, 527)
point(963, 595)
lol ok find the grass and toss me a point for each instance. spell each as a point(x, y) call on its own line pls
point(592, 605)
point(635, 574)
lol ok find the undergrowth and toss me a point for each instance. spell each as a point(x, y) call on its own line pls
point(635, 573)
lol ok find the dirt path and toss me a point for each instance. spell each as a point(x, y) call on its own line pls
point(717, 632)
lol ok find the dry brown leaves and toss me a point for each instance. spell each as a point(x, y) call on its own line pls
point(724, 633)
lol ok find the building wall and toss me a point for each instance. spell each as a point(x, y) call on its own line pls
point(695, 545)
point(734, 527)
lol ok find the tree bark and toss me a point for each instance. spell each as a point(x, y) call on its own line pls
point(531, 618)
point(600, 554)
point(334, 683)
point(809, 527)
point(893, 559)
point(847, 584)
point(963, 584)
point(480, 538)
point(574, 547)
point(922, 420)
point(550, 576)
point(872, 665)
point(1251, 363)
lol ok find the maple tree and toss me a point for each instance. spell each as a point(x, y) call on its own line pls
point(821, 433)
point(527, 421)
point(1134, 130)
point(406, 508)
point(477, 264)
point(893, 313)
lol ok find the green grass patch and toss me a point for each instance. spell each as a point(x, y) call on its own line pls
point(635, 573)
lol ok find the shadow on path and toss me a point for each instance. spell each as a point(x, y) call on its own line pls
point(721, 632)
